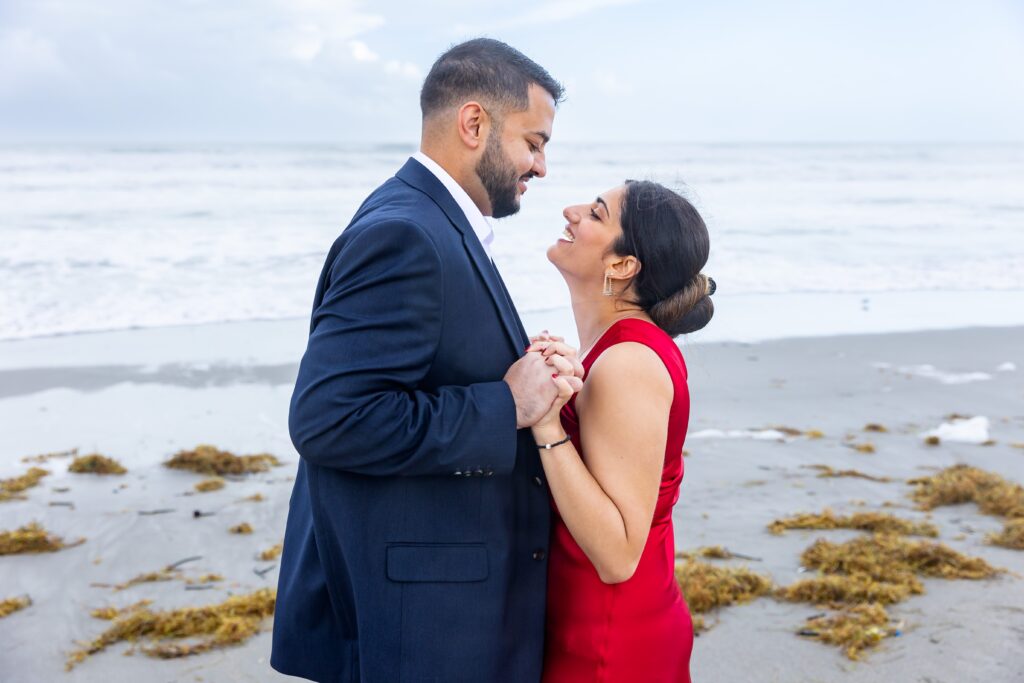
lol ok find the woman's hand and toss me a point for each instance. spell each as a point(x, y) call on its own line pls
point(549, 428)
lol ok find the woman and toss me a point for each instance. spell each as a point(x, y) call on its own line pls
point(612, 454)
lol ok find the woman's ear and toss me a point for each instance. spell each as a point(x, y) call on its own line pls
point(623, 267)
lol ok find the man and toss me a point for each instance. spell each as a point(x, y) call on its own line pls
point(417, 532)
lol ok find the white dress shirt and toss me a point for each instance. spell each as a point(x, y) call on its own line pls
point(481, 226)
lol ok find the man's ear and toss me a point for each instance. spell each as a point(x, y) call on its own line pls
point(474, 123)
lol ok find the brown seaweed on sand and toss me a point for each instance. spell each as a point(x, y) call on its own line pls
point(875, 427)
point(12, 605)
point(1012, 535)
point(94, 463)
point(862, 521)
point(855, 629)
point(272, 553)
point(866, 447)
point(243, 528)
point(43, 457)
point(850, 590)
point(32, 538)
point(706, 587)
point(826, 471)
point(211, 484)
point(10, 489)
point(965, 484)
point(186, 631)
point(209, 460)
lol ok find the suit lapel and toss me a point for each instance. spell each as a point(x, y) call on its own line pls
point(423, 180)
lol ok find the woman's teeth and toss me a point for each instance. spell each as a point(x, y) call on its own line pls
point(568, 235)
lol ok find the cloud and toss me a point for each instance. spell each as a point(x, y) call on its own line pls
point(544, 15)
point(27, 57)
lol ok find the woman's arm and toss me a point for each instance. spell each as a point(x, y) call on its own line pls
point(607, 499)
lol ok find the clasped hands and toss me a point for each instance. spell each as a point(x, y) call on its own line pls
point(543, 379)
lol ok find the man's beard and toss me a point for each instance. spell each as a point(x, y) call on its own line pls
point(498, 177)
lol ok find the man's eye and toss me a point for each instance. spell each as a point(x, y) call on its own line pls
point(534, 148)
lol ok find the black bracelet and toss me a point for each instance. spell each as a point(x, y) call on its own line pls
point(549, 446)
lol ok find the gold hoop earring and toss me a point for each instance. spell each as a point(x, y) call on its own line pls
point(608, 291)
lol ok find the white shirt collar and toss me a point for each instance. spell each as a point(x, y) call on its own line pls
point(481, 226)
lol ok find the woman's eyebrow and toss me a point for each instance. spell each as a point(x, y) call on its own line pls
point(601, 202)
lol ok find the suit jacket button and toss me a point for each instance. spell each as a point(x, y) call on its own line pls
point(488, 473)
point(539, 555)
point(458, 473)
point(538, 481)
point(479, 473)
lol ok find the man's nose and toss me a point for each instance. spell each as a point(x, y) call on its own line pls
point(540, 166)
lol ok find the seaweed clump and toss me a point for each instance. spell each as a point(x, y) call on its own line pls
point(862, 575)
point(1012, 535)
point(825, 471)
point(706, 587)
point(856, 629)
point(94, 463)
point(243, 528)
point(10, 489)
point(862, 521)
point(991, 493)
point(12, 605)
point(182, 632)
point(211, 484)
point(32, 538)
point(208, 460)
point(272, 553)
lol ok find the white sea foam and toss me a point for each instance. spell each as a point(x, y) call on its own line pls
point(102, 238)
point(1008, 366)
point(931, 372)
point(968, 430)
point(756, 434)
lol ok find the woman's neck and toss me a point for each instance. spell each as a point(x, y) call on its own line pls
point(594, 314)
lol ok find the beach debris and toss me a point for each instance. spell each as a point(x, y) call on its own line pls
point(715, 552)
point(706, 587)
point(185, 631)
point(855, 629)
point(814, 434)
point(243, 528)
point(43, 457)
point(849, 590)
point(1017, 444)
point(826, 471)
point(861, 521)
point(94, 463)
point(193, 558)
point(196, 514)
point(11, 605)
point(989, 442)
point(864, 447)
point(875, 427)
point(961, 429)
point(263, 572)
point(965, 484)
point(894, 559)
point(254, 498)
point(203, 579)
point(32, 538)
point(10, 489)
point(208, 460)
point(932, 440)
point(160, 511)
point(211, 484)
point(1012, 535)
point(62, 504)
point(272, 553)
point(165, 574)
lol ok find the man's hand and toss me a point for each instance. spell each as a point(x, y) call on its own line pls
point(532, 381)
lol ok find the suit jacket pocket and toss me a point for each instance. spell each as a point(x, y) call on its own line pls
point(437, 562)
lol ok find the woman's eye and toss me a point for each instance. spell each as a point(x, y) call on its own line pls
point(593, 214)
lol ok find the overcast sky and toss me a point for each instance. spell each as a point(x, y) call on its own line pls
point(643, 70)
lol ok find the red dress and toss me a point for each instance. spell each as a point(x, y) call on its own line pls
point(637, 631)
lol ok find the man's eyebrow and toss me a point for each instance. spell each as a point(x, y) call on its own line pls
point(601, 202)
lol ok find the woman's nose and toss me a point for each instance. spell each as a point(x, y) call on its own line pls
point(569, 213)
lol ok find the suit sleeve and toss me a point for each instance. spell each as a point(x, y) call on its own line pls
point(356, 405)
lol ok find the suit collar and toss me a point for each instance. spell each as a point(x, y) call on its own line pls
point(418, 176)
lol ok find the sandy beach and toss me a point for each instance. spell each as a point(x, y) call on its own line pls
point(140, 396)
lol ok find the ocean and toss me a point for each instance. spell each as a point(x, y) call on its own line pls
point(806, 239)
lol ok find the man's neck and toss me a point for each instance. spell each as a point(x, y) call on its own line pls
point(466, 178)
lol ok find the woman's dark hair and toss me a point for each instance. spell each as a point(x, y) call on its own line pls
point(667, 235)
point(488, 69)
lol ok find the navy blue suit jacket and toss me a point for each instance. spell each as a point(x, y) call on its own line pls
point(417, 534)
